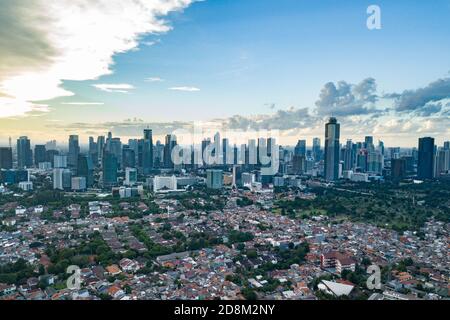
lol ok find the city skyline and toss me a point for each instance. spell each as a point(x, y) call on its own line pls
point(247, 67)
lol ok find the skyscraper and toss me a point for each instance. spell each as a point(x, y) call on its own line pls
point(74, 151)
point(425, 166)
point(214, 179)
point(300, 148)
point(6, 161)
point(147, 151)
point(332, 135)
point(24, 154)
point(128, 157)
point(110, 167)
point(317, 151)
point(93, 150)
point(39, 154)
point(85, 168)
point(171, 142)
point(100, 148)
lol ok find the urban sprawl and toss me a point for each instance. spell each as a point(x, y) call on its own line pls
point(131, 222)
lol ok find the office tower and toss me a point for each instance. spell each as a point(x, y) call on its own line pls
point(114, 146)
point(60, 161)
point(381, 147)
point(261, 150)
point(100, 148)
point(78, 184)
point(110, 166)
point(50, 145)
point(425, 166)
point(398, 169)
point(298, 164)
point(251, 156)
point(442, 161)
point(39, 154)
point(62, 179)
point(74, 151)
point(362, 160)
point(147, 151)
point(395, 153)
point(85, 168)
point(227, 152)
point(375, 162)
point(214, 179)
point(24, 154)
point(171, 142)
point(447, 145)
point(300, 148)
point(368, 143)
point(50, 156)
point(130, 176)
point(6, 158)
point(332, 135)
point(93, 150)
point(128, 157)
point(348, 157)
point(237, 176)
point(317, 151)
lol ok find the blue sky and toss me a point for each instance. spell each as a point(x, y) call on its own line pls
point(243, 56)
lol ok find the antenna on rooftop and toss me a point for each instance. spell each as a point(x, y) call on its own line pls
point(10, 144)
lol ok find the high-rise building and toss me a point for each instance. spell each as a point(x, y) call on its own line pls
point(300, 148)
point(298, 164)
point(39, 154)
point(375, 162)
point(110, 167)
point(24, 153)
point(425, 166)
point(50, 156)
point(85, 168)
point(317, 151)
point(171, 142)
point(6, 158)
point(59, 161)
point(398, 168)
point(368, 143)
point(100, 149)
point(79, 184)
point(332, 135)
point(348, 156)
point(214, 179)
point(147, 151)
point(93, 150)
point(130, 176)
point(128, 157)
point(237, 176)
point(62, 179)
point(74, 151)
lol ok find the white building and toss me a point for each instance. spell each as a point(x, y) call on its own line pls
point(248, 179)
point(360, 177)
point(130, 176)
point(45, 166)
point(78, 183)
point(62, 178)
point(26, 185)
point(164, 183)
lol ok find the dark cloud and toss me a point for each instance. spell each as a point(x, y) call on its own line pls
point(345, 99)
point(412, 100)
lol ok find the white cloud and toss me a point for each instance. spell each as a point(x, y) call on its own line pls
point(111, 87)
point(45, 42)
point(83, 103)
point(187, 89)
point(154, 79)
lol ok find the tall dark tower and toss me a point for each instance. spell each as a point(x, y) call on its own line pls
point(425, 166)
point(147, 154)
point(332, 135)
point(74, 151)
point(24, 153)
